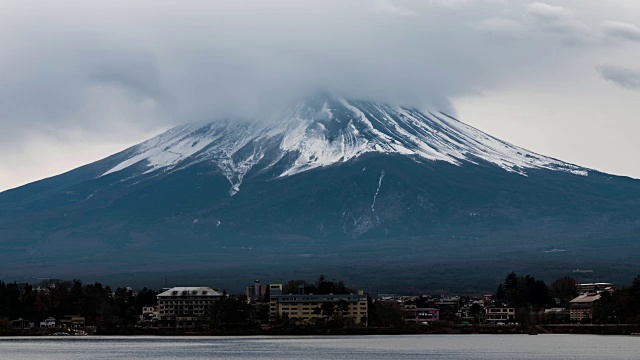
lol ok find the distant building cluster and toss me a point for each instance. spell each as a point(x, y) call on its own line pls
point(74, 324)
point(195, 307)
point(190, 307)
point(487, 310)
point(426, 309)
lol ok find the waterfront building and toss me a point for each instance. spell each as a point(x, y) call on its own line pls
point(581, 308)
point(149, 314)
point(186, 307)
point(72, 321)
point(311, 309)
point(20, 324)
point(499, 314)
point(49, 322)
point(413, 314)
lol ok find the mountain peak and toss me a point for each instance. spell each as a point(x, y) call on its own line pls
point(326, 130)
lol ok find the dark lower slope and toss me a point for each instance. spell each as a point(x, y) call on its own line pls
point(430, 223)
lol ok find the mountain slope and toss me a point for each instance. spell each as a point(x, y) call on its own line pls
point(326, 131)
point(354, 188)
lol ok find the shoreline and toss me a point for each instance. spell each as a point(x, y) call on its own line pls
point(582, 329)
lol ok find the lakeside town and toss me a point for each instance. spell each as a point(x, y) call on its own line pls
point(521, 304)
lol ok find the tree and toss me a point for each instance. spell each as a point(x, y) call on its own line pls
point(523, 316)
point(563, 289)
point(382, 314)
point(514, 289)
point(500, 293)
point(4, 324)
point(146, 297)
point(604, 309)
point(511, 281)
point(342, 306)
point(363, 320)
point(477, 312)
point(525, 291)
point(232, 310)
point(285, 321)
point(328, 309)
point(291, 287)
point(635, 286)
point(262, 312)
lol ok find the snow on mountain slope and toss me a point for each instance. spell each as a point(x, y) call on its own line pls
point(328, 130)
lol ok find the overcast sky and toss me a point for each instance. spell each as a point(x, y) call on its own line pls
point(80, 80)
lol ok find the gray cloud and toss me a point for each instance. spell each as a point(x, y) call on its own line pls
point(559, 20)
point(386, 6)
point(115, 71)
point(621, 30)
point(502, 27)
point(623, 77)
point(107, 66)
point(548, 13)
point(167, 62)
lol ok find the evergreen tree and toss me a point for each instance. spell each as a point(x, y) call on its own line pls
point(500, 293)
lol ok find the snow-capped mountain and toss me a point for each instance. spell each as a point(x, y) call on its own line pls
point(326, 131)
point(352, 188)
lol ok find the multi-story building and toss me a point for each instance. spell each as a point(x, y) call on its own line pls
point(581, 308)
point(310, 309)
point(412, 313)
point(186, 307)
point(256, 292)
point(149, 314)
point(497, 314)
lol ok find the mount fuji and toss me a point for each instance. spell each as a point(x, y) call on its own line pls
point(387, 196)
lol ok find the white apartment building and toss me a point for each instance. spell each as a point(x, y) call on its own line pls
point(186, 307)
point(496, 314)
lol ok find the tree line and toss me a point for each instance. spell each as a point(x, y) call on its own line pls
point(100, 305)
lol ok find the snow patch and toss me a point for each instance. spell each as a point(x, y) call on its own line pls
point(375, 196)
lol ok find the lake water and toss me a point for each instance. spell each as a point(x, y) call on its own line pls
point(327, 347)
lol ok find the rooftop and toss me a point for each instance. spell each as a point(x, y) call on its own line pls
point(586, 298)
point(191, 291)
point(595, 284)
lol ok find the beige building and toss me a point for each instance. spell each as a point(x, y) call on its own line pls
point(581, 308)
point(310, 308)
point(186, 307)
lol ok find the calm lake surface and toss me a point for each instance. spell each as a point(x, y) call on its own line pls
point(326, 347)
